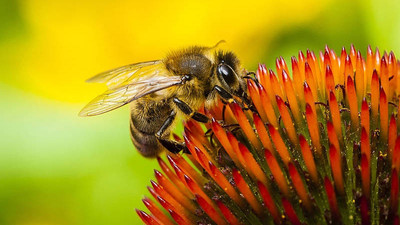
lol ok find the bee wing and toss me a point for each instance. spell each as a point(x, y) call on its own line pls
point(115, 77)
point(124, 94)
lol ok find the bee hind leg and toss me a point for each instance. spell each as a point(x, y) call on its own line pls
point(171, 145)
point(185, 108)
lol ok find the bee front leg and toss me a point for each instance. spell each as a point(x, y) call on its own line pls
point(229, 98)
point(224, 94)
point(185, 108)
point(251, 73)
point(171, 145)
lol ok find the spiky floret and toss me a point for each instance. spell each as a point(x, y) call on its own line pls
point(319, 146)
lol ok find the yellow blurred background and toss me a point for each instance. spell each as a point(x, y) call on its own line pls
point(57, 168)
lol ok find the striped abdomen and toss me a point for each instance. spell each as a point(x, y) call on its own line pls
point(147, 117)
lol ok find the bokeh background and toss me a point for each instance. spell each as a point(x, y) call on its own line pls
point(57, 168)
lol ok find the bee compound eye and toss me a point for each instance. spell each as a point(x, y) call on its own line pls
point(226, 73)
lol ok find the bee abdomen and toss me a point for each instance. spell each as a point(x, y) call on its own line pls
point(146, 144)
point(147, 117)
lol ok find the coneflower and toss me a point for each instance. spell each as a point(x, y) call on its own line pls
point(318, 146)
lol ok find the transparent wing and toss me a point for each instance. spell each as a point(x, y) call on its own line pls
point(118, 76)
point(115, 98)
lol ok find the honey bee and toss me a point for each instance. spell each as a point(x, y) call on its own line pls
point(162, 90)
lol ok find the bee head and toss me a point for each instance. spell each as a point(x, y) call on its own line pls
point(228, 73)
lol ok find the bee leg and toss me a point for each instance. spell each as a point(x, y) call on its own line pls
point(185, 108)
point(223, 112)
point(171, 145)
point(224, 94)
point(229, 97)
point(250, 73)
point(251, 78)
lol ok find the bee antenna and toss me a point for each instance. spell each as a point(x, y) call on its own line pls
point(232, 70)
point(218, 43)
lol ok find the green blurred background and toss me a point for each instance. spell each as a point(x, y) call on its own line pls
point(57, 168)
